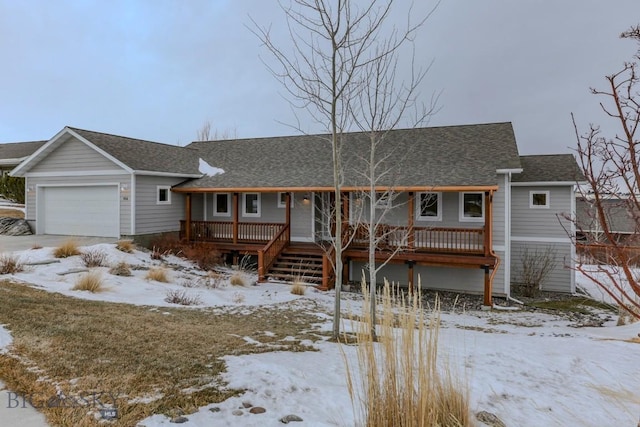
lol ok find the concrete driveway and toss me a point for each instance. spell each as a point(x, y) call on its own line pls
point(21, 243)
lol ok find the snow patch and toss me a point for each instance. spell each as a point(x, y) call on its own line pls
point(5, 340)
point(207, 169)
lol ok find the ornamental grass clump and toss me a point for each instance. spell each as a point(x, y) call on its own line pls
point(67, 249)
point(400, 380)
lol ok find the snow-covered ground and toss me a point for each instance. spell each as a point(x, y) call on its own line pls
point(528, 368)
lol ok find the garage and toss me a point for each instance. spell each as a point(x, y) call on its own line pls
point(91, 210)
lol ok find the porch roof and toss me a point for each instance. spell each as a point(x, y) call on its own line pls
point(465, 156)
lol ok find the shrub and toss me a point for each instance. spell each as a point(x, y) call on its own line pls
point(156, 254)
point(67, 249)
point(536, 265)
point(238, 297)
point(93, 258)
point(298, 288)
point(204, 256)
point(9, 264)
point(12, 188)
point(121, 269)
point(238, 279)
point(181, 297)
point(125, 246)
point(401, 382)
point(167, 243)
point(91, 282)
point(159, 274)
point(213, 280)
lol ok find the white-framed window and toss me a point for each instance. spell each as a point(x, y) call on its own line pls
point(429, 206)
point(282, 200)
point(539, 199)
point(383, 200)
point(251, 204)
point(163, 195)
point(472, 207)
point(222, 204)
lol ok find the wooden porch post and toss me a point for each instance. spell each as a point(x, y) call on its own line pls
point(488, 222)
point(487, 302)
point(287, 207)
point(410, 276)
point(187, 231)
point(411, 237)
point(235, 218)
point(345, 213)
point(345, 271)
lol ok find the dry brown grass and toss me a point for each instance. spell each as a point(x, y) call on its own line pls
point(125, 246)
point(10, 264)
point(94, 258)
point(121, 269)
point(402, 381)
point(182, 298)
point(91, 281)
point(238, 279)
point(67, 249)
point(159, 274)
point(131, 351)
point(11, 213)
point(297, 288)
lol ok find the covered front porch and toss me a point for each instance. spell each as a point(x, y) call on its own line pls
point(467, 247)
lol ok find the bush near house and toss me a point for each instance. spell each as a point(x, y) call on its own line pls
point(12, 188)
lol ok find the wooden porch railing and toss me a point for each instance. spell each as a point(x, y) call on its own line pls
point(272, 250)
point(207, 231)
point(441, 239)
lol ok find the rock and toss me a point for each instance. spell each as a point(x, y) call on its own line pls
point(73, 271)
point(489, 419)
point(214, 409)
point(237, 412)
point(257, 410)
point(290, 418)
point(247, 404)
point(179, 420)
point(14, 227)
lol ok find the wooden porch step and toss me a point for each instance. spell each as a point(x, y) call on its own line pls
point(295, 270)
point(300, 259)
point(292, 265)
point(293, 278)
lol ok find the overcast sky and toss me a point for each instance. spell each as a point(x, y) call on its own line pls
point(159, 69)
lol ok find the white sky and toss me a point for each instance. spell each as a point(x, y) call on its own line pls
point(158, 70)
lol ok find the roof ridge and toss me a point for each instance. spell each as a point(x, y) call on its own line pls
point(352, 132)
point(125, 137)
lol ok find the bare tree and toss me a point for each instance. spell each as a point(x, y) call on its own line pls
point(204, 133)
point(384, 103)
point(332, 43)
point(612, 170)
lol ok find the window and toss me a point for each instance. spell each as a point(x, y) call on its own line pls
point(471, 207)
point(383, 200)
point(429, 206)
point(282, 200)
point(251, 204)
point(163, 195)
point(221, 205)
point(539, 199)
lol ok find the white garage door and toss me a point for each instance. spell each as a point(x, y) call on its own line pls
point(80, 211)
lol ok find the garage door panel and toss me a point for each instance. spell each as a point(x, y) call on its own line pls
point(81, 211)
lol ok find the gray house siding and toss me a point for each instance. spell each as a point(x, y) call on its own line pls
point(152, 217)
point(32, 184)
point(74, 155)
point(440, 278)
point(543, 230)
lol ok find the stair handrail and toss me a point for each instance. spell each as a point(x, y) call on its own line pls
point(272, 250)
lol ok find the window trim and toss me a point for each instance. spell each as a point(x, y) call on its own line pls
point(547, 199)
point(246, 214)
point(215, 205)
point(461, 216)
point(281, 203)
point(418, 201)
point(159, 188)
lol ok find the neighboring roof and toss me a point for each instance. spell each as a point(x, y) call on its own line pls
point(141, 155)
point(617, 211)
point(19, 150)
point(549, 168)
point(465, 155)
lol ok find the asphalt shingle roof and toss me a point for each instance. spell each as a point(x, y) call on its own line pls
point(466, 155)
point(143, 155)
point(18, 150)
point(618, 212)
point(549, 168)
